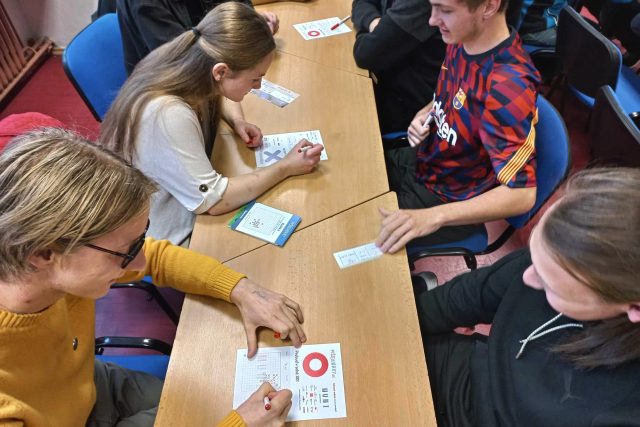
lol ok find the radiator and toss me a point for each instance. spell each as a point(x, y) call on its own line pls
point(16, 60)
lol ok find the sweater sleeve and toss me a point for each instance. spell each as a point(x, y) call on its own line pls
point(185, 270)
point(384, 47)
point(470, 298)
point(233, 419)
point(363, 12)
point(14, 413)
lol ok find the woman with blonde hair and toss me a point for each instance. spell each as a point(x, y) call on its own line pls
point(73, 219)
point(564, 346)
point(165, 117)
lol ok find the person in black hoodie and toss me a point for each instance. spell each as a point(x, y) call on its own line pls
point(147, 24)
point(403, 53)
point(564, 346)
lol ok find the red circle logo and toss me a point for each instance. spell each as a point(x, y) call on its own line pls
point(313, 33)
point(306, 364)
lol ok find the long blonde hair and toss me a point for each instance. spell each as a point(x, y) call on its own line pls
point(59, 192)
point(232, 33)
point(593, 233)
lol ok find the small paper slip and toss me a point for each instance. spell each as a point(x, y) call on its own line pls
point(313, 373)
point(322, 28)
point(275, 94)
point(275, 147)
point(357, 255)
point(265, 223)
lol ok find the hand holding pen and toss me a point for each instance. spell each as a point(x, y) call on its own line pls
point(266, 407)
point(420, 127)
point(303, 158)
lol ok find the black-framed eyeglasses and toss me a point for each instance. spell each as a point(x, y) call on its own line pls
point(133, 251)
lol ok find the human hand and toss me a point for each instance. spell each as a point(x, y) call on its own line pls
point(420, 127)
point(262, 307)
point(301, 160)
point(249, 133)
point(401, 226)
point(272, 21)
point(254, 414)
point(374, 24)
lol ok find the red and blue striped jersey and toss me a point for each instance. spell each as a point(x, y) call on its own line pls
point(484, 134)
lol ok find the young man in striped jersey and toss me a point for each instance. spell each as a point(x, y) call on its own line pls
point(475, 155)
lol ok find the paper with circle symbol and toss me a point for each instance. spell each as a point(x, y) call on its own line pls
point(275, 147)
point(321, 28)
point(313, 373)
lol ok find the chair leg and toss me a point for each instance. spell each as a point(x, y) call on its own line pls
point(471, 261)
point(164, 305)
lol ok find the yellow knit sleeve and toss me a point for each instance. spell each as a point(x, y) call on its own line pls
point(185, 270)
point(232, 420)
point(13, 412)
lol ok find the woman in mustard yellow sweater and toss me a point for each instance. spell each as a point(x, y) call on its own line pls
point(73, 219)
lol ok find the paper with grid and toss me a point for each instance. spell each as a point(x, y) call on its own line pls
point(313, 373)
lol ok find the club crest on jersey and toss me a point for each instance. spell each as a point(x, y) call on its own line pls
point(458, 100)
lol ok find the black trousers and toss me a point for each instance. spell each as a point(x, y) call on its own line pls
point(401, 171)
point(449, 362)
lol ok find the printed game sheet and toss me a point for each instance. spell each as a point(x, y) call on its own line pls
point(313, 373)
point(322, 28)
point(275, 94)
point(275, 147)
point(357, 255)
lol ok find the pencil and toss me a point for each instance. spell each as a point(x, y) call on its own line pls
point(428, 120)
point(303, 149)
point(342, 21)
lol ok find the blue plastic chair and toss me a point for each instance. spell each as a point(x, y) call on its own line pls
point(94, 62)
point(590, 61)
point(614, 138)
point(553, 163)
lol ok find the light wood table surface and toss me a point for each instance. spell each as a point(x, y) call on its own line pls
point(342, 107)
point(369, 309)
point(335, 51)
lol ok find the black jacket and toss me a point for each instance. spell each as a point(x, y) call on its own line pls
point(147, 24)
point(538, 389)
point(403, 53)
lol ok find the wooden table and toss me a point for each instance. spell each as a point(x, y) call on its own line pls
point(369, 309)
point(335, 51)
point(342, 107)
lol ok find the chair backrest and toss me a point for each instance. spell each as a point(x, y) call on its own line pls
point(553, 157)
point(589, 60)
point(94, 62)
point(614, 138)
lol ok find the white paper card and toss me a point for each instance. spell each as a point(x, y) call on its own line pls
point(357, 255)
point(322, 28)
point(313, 373)
point(275, 147)
point(275, 94)
point(265, 223)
